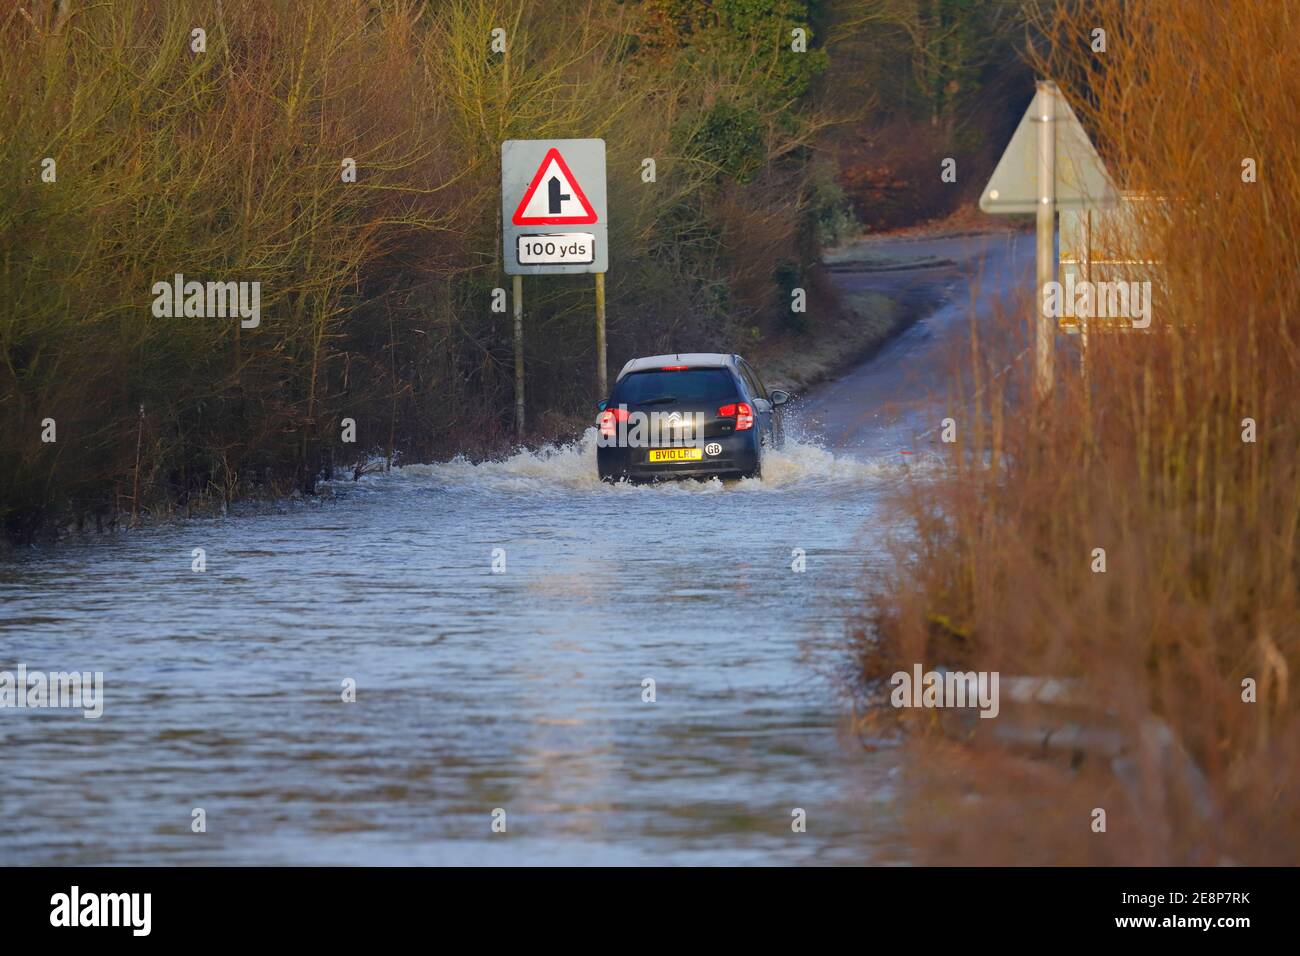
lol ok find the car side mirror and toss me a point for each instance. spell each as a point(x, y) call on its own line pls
point(780, 396)
point(600, 406)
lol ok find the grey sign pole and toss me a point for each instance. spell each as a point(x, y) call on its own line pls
point(518, 290)
point(1045, 257)
point(602, 388)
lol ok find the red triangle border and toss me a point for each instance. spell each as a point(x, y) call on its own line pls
point(520, 220)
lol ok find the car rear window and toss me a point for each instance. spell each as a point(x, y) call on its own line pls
point(687, 385)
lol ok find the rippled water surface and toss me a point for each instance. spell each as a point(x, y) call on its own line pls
point(476, 690)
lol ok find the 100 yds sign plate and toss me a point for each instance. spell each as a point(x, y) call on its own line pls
point(566, 248)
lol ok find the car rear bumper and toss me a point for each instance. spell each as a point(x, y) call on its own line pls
point(737, 455)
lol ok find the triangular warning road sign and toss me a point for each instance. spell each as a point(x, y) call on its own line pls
point(1082, 181)
point(559, 202)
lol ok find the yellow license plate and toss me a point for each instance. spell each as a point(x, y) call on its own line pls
point(676, 454)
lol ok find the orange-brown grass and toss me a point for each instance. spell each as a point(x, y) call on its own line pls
point(1141, 454)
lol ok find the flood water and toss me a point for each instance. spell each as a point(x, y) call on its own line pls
point(520, 691)
point(477, 690)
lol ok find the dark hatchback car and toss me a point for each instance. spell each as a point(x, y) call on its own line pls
point(691, 415)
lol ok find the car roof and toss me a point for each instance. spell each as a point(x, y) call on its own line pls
point(702, 359)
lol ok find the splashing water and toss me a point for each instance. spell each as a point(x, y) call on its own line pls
point(801, 464)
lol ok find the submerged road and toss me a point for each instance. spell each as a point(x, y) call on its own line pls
point(521, 696)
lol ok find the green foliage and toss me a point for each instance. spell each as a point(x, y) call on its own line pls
point(787, 278)
point(751, 37)
point(956, 46)
point(828, 209)
point(730, 139)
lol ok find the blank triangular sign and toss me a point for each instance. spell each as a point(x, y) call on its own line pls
point(553, 198)
point(1081, 178)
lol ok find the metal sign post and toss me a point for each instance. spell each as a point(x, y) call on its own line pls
point(602, 386)
point(1045, 226)
point(1049, 166)
point(518, 290)
point(554, 221)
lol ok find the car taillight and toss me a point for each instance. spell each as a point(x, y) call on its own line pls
point(609, 420)
point(741, 412)
point(675, 368)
